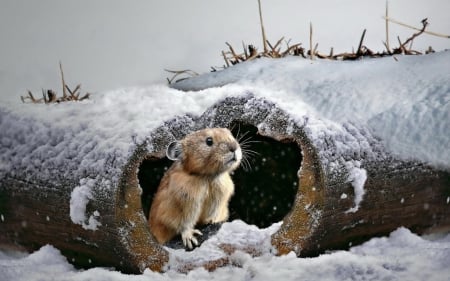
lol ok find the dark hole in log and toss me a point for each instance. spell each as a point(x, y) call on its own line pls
point(150, 174)
point(264, 194)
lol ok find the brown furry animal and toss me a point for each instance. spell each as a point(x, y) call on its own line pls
point(197, 187)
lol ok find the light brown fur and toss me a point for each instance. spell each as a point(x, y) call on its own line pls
point(197, 187)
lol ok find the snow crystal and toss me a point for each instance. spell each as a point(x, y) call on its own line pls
point(79, 198)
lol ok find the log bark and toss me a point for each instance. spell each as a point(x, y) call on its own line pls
point(35, 214)
point(35, 206)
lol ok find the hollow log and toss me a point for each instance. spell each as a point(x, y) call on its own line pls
point(336, 186)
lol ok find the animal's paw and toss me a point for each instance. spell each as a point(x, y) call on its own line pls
point(188, 237)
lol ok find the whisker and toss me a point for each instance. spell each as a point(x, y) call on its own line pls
point(247, 156)
point(239, 138)
point(246, 146)
point(250, 141)
point(246, 164)
point(250, 152)
point(239, 130)
point(245, 142)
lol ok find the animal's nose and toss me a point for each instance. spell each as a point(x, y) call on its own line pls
point(232, 146)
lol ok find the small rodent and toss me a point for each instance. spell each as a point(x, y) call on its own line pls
point(197, 187)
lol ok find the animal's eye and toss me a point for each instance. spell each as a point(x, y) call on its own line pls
point(209, 141)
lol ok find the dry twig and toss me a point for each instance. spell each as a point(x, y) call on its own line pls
point(402, 48)
point(50, 96)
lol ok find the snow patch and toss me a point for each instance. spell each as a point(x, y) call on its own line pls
point(238, 234)
point(400, 256)
point(357, 176)
point(79, 198)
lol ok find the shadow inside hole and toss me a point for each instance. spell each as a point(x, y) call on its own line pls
point(150, 174)
point(264, 194)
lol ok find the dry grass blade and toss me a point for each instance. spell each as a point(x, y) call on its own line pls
point(387, 28)
point(86, 96)
point(311, 53)
point(73, 94)
point(416, 28)
point(225, 59)
point(360, 51)
point(264, 38)
point(236, 58)
point(245, 50)
point(30, 97)
point(63, 81)
point(295, 50)
point(177, 73)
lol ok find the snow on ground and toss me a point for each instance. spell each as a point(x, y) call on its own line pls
point(401, 256)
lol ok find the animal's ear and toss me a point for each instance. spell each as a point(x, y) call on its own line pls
point(174, 151)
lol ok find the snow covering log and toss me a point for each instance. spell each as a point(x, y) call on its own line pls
point(85, 198)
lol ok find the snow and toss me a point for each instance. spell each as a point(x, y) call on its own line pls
point(401, 256)
point(403, 103)
point(237, 233)
point(357, 176)
point(341, 102)
point(79, 147)
point(79, 198)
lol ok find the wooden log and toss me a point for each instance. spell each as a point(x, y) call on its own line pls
point(37, 213)
point(348, 189)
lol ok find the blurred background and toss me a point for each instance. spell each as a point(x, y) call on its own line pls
point(109, 44)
